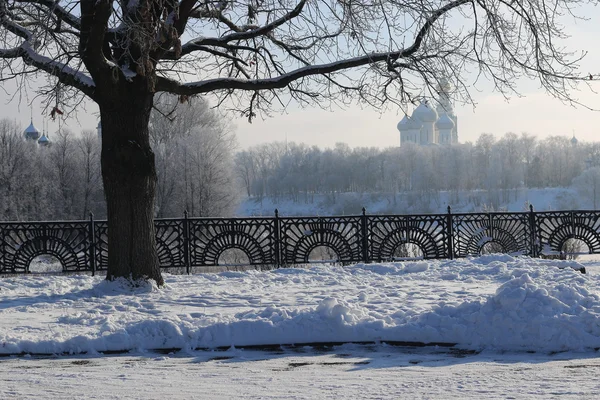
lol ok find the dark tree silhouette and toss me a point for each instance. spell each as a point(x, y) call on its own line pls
point(259, 55)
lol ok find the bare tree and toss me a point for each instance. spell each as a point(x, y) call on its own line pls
point(258, 55)
point(192, 138)
point(62, 167)
point(89, 154)
point(210, 185)
point(13, 166)
point(245, 168)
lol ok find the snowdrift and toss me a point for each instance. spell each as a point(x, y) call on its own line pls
point(492, 302)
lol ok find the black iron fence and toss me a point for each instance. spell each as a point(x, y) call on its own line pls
point(189, 243)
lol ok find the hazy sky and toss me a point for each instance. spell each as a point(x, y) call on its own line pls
point(536, 112)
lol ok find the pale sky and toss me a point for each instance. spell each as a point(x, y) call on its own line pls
point(535, 112)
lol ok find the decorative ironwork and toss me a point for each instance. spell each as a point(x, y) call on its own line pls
point(101, 249)
point(301, 235)
point(387, 234)
point(211, 237)
point(170, 243)
point(199, 242)
point(555, 228)
point(22, 242)
point(472, 232)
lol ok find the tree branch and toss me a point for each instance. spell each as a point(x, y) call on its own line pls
point(195, 44)
point(57, 10)
point(27, 53)
point(63, 72)
point(95, 16)
point(169, 85)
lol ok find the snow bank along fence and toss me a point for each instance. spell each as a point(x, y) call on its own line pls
point(283, 241)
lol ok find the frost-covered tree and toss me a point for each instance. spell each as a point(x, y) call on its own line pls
point(194, 149)
point(206, 157)
point(88, 154)
point(258, 55)
point(588, 185)
point(14, 165)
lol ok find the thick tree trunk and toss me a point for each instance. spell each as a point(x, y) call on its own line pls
point(129, 176)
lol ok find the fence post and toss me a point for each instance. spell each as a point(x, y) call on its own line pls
point(449, 232)
point(365, 237)
point(186, 242)
point(277, 228)
point(92, 240)
point(532, 231)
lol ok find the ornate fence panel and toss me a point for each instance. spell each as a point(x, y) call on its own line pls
point(553, 229)
point(202, 242)
point(101, 245)
point(170, 243)
point(211, 237)
point(388, 236)
point(22, 242)
point(300, 236)
point(509, 232)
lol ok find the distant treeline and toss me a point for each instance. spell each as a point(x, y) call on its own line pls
point(297, 171)
point(199, 171)
point(194, 162)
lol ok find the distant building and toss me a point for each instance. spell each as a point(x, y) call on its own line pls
point(32, 134)
point(574, 140)
point(44, 140)
point(427, 125)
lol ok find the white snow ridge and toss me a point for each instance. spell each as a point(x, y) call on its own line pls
point(491, 302)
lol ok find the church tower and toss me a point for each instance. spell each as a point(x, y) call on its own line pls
point(431, 126)
point(445, 107)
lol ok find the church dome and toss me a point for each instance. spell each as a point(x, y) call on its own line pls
point(31, 132)
point(407, 123)
point(44, 141)
point(574, 140)
point(402, 124)
point(444, 122)
point(425, 113)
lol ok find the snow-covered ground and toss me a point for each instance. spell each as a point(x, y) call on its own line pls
point(498, 306)
point(346, 372)
point(513, 200)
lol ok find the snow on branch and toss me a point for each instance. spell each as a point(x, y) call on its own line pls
point(27, 52)
point(12, 26)
point(63, 72)
point(57, 10)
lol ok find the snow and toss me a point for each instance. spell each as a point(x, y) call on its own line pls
point(494, 302)
point(344, 372)
point(41, 60)
point(545, 199)
point(496, 308)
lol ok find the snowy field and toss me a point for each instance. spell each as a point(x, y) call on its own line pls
point(522, 328)
point(543, 199)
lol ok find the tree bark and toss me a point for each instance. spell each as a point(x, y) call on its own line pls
point(129, 177)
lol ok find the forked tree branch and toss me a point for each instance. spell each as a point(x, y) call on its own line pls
point(57, 10)
point(169, 85)
point(240, 35)
point(26, 51)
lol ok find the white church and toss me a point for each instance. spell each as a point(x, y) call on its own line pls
point(427, 126)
